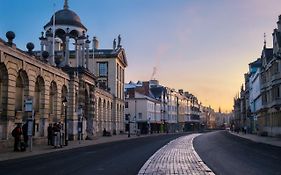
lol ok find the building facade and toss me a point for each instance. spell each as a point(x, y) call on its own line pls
point(55, 74)
point(173, 110)
point(262, 88)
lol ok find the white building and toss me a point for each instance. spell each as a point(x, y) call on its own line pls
point(143, 113)
point(254, 93)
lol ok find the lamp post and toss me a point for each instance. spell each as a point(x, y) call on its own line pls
point(64, 102)
point(80, 123)
point(129, 128)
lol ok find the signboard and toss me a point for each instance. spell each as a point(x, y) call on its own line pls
point(30, 127)
point(28, 105)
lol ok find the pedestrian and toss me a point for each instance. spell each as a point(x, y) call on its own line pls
point(50, 135)
point(60, 134)
point(56, 135)
point(16, 133)
point(24, 133)
point(104, 132)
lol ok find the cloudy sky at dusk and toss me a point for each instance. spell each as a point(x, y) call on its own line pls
point(201, 46)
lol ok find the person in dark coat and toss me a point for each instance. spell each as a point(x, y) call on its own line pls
point(50, 135)
point(16, 133)
point(24, 133)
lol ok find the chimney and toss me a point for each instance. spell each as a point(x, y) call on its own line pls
point(95, 43)
point(181, 91)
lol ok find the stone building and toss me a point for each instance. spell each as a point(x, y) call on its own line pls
point(269, 119)
point(179, 110)
point(90, 79)
point(258, 106)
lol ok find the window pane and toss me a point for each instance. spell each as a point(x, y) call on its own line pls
point(103, 69)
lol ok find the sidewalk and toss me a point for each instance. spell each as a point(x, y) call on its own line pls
point(42, 149)
point(267, 140)
point(177, 157)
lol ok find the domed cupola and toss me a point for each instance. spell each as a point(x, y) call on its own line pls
point(66, 19)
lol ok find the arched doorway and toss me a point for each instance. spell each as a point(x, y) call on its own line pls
point(39, 105)
point(99, 115)
point(3, 101)
point(104, 114)
point(63, 96)
point(22, 93)
point(108, 116)
point(53, 102)
point(3, 91)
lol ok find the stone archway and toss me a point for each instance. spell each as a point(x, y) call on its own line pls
point(99, 115)
point(22, 93)
point(104, 114)
point(39, 95)
point(39, 106)
point(3, 92)
point(53, 96)
point(108, 118)
point(88, 114)
point(63, 96)
point(3, 100)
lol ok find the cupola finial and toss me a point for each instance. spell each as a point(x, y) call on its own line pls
point(65, 4)
point(264, 40)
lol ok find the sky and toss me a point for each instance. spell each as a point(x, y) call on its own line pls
point(201, 46)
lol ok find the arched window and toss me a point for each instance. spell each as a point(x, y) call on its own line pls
point(63, 96)
point(39, 93)
point(53, 98)
point(3, 89)
point(21, 90)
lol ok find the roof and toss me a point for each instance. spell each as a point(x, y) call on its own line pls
point(142, 96)
point(157, 91)
point(256, 63)
point(111, 53)
point(66, 17)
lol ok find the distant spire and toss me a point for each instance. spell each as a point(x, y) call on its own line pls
point(264, 40)
point(65, 4)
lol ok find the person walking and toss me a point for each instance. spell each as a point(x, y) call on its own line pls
point(24, 133)
point(50, 135)
point(16, 133)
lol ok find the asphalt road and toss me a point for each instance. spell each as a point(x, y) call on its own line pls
point(227, 154)
point(123, 157)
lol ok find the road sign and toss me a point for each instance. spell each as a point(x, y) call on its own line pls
point(28, 105)
point(30, 127)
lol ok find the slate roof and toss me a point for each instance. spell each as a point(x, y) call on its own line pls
point(157, 91)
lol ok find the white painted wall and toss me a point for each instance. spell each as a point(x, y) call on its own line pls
point(255, 98)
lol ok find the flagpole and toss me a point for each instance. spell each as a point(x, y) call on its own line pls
point(54, 30)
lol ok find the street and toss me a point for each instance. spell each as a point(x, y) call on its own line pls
point(231, 155)
point(123, 157)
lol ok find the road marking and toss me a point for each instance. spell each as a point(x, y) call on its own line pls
point(177, 157)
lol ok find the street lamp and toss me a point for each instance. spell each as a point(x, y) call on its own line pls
point(80, 123)
point(129, 134)
point(64, 102)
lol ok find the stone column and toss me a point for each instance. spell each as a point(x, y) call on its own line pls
point(66, 50)
point(87, 52)
point(77, 53)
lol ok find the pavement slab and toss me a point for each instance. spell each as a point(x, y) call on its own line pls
point(178, 157)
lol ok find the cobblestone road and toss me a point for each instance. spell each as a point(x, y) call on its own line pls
point(177, 157)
